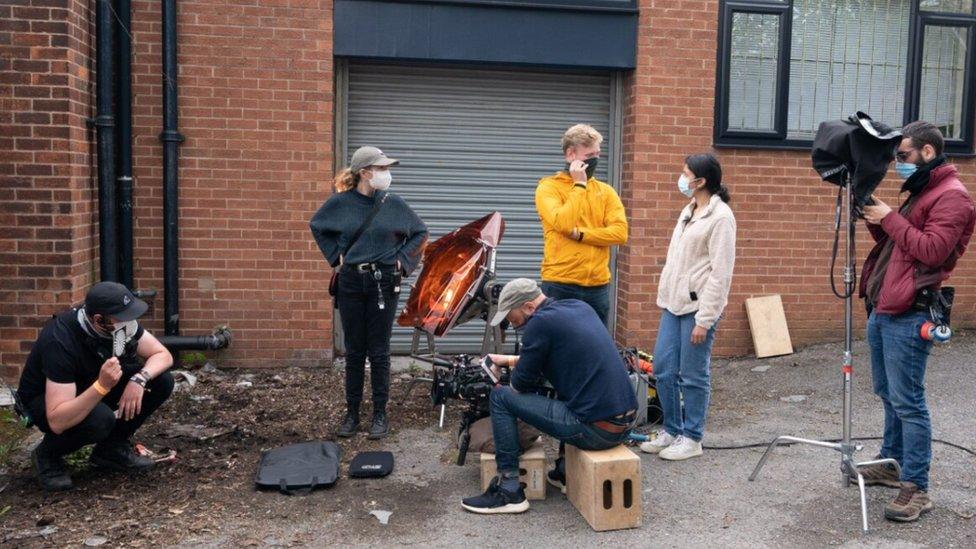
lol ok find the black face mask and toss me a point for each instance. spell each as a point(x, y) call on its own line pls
point(590, 166)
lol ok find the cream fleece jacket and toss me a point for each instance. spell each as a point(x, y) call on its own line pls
point(700, 260)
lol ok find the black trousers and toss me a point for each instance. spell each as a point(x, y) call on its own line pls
point(367, 331)
point(101, 426)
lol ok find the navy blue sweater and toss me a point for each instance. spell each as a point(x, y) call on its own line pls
point(396, 233)
point(565, 342)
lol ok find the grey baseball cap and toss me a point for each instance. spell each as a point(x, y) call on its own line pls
point(365, 157)
point(513, 295)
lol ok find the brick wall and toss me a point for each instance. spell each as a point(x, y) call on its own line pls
point(256, 108)
point(47, 228)
point(784, 212)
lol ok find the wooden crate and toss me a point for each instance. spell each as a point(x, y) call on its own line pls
point(532, 471)
point(605, 487)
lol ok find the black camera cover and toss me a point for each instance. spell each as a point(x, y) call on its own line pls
point(371, 465)
point(857, 146)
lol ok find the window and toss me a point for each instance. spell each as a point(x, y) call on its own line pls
point(784, 66)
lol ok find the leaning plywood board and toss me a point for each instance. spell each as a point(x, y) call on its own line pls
point(767, 321)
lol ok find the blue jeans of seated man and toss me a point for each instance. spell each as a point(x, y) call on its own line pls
point(898, 358)
point(597, 297)
point(550, 416)
point(683, 370)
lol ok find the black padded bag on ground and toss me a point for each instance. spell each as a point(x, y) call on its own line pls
point(299, 468)
point(371, 465)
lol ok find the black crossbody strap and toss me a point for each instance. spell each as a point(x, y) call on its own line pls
point(369, 219)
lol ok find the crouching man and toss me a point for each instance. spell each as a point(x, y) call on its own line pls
point(83, 384)
point(565, 343)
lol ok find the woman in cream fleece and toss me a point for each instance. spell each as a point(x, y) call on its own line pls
point(692, 294)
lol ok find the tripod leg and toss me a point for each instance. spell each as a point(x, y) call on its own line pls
point(864, 503)
point(789, 440)
point(440, 424)
point(413, 383)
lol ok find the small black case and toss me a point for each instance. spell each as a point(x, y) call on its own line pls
point(371, 465)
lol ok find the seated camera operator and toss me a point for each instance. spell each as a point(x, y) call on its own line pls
point(565, 343)
point(79, 389)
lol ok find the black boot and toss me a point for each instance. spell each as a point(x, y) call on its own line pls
point(119, 456)
point(52, 471)
point(380, 427)
point(350, 424)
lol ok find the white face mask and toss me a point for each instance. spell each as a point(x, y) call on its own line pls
point(684, 185)
point(381, 180)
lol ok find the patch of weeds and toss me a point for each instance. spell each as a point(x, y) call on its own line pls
point(11, 434)
point(78, 461)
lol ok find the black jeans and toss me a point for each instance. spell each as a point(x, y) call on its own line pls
point(101, 426)
point(597, 297)
point(367, 331)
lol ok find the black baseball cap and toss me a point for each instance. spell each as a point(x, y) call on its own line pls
point(115, 300)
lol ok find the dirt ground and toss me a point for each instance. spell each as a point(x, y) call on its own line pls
point(207, 497)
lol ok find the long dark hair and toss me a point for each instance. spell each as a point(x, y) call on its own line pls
point(707, 166)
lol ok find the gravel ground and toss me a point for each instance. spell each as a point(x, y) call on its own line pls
point(798, 500)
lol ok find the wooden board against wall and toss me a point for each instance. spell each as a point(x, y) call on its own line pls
point(767, 322)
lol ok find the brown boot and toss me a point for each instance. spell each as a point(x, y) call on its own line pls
point(909, 505)
point(878, 474)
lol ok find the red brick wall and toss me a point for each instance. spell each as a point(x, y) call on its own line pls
point(256, 108)
point(47, 236)
point(784, 212)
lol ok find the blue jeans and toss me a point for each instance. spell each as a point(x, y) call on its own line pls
point(898, 357)
point(548, 415)
point(682, 370)
point(597, 297)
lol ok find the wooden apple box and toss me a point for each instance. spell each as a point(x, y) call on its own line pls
point(605, 486)
point(532, 471)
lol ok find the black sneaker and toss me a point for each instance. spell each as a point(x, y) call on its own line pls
point(120, 456)
point(349, 425)
point(52, 471)
point(557, 477)
point(380, 427)
point(496, 501)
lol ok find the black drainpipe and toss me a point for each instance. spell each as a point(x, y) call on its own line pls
point(124, 107)
point(171, 139)
point(105, 124)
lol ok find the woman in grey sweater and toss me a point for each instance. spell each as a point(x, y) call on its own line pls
point(371, 260)
point(692, 294)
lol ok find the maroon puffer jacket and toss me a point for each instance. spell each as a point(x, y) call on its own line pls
point(928, 242)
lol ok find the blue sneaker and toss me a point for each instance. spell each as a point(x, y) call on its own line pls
point(495, 500)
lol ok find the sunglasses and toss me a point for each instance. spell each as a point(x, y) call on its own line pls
point(903, 155)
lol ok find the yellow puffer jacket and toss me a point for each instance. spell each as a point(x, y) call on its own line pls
point(596, 211)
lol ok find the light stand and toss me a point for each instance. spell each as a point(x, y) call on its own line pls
point(848, 466)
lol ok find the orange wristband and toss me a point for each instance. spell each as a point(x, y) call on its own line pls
point(99, 388)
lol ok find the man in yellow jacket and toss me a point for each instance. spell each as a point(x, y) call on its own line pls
point(581, 219)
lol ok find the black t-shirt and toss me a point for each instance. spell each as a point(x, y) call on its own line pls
point(65, 353)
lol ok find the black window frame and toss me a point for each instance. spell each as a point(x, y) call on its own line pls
point(777, 139)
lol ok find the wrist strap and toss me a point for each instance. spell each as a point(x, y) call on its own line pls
point(99, 388)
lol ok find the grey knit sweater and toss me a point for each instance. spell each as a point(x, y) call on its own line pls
point(395, 234)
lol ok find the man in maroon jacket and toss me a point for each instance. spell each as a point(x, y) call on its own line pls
point(917, 247)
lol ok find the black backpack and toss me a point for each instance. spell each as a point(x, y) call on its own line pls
point(299, 468)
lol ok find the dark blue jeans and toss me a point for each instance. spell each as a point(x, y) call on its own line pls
point(597, 297)
point(898, 358)
point(550, 416)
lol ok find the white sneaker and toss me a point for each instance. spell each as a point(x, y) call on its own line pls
point(682, 448)
point(659, 442)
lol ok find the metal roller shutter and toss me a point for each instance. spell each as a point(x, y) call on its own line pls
point(472, 141)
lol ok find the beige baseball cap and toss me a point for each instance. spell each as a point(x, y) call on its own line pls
point(514, 294)
point(365, 157)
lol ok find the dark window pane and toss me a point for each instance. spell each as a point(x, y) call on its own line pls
point(753, 70)
point(847, 56)
point(944, 78)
